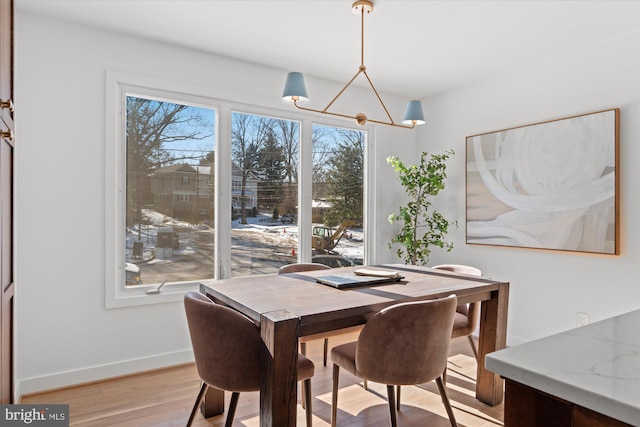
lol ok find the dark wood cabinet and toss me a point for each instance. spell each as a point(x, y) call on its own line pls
point(7, 145)
point(527, 407)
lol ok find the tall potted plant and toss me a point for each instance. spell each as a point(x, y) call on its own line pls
point(422, 226)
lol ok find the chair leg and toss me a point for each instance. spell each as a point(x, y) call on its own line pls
point(326, 350)
point(303, 392)
point(444, 376)
point(334, 395)
point(203, 389)
point(365, 384)
point(307, 399)
point(398, 397)
point(303, 351)
point(473, 346)
point(445, 400)
point(392, 405)
point(233, 404)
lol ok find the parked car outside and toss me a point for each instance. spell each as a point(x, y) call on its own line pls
point(287, 219)
point(333, 261)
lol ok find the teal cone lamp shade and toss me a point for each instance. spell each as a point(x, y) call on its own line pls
point(413, 114)
point(294, 88)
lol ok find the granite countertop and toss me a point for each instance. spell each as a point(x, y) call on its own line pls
point(596, 366)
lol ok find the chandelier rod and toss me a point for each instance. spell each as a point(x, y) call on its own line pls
point(362, 36)
point(362, 69)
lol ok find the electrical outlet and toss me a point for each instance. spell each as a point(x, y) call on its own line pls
point(582, 319)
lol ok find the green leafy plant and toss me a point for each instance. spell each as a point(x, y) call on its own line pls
point(422, 226)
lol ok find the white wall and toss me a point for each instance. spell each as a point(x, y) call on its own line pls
point(64, 334)
point(548, 288)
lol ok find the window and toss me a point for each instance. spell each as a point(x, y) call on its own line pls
point(170, 148)
point(158, 136)
point(164, 217)
point(338, 196)
point(264, 234)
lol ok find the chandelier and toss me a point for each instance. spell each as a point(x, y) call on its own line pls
point(296, 92)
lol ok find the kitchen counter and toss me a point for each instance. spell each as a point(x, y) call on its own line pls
point(596, 366)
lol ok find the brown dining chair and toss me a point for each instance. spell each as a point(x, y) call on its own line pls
point(228, 351)
point(312, 266)
point(302, 266)
point(467, 315)
point(465, 319)
point(404, 344)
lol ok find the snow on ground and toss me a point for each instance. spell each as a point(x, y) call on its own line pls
point(352, 248)
point(274, 232)
point(286, 234)
point(147, 233)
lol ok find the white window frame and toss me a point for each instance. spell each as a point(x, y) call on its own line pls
point(118, 86)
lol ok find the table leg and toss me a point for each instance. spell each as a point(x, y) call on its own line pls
point(278, 399)
point(493, 337)
point(212, 403)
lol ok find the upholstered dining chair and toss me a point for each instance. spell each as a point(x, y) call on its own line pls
point(311, 266)
point(228, 351)
point(404, 344)
point(302, 266)
point(465, 319)
point(467, 315)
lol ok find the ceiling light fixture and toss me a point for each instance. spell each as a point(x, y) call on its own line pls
point(296, 92)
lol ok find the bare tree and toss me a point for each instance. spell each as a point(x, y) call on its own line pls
point(152, 126)
point(290, 136)
point(321, 154)
point(248, 135)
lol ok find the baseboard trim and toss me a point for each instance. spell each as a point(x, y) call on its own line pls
point(100, 372)
point(76, 377)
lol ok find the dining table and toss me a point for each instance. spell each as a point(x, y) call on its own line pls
point(288, 306)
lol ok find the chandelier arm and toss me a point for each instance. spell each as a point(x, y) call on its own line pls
point(346, 116)
point(313, 110)
point(378, 96)
point(342, 91)
point(392, 123)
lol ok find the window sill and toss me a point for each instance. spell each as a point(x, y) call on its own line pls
point(137, 295)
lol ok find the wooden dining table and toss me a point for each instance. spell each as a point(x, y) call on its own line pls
point(289, 306)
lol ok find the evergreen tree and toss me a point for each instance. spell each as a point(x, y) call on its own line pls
point(272, 170)
point(209, 159)
point(345, 178)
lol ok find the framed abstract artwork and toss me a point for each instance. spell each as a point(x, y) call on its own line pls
point(551, 185)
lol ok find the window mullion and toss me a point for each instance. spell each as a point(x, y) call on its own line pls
point(223, 201)
point(305, 168)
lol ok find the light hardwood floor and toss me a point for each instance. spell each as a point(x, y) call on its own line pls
point(164, 398)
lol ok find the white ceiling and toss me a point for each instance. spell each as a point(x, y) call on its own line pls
point(412, 48)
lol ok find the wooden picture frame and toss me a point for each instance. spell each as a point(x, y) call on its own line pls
point(551, 185)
